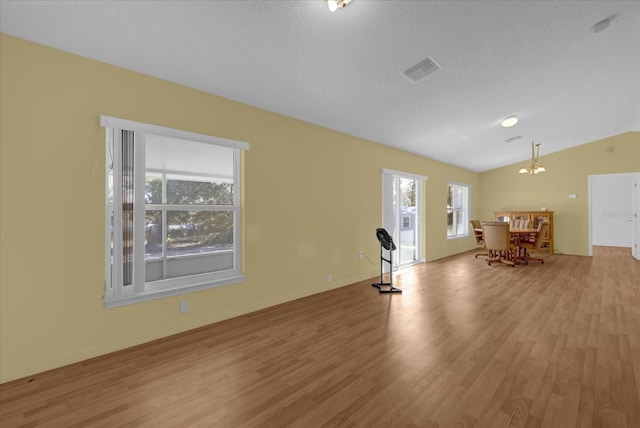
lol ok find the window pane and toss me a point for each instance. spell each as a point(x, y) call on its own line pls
point(460, 224)
point(153, 234)
point(450, 228)
point(153, 189)
point(407, 192)
point(199, 192)
point(457, 210)
point(407, 195)
point(110, 188)
point(189, 157)
point(197, 232)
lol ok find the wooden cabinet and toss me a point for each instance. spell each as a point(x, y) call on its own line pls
point(534, 218)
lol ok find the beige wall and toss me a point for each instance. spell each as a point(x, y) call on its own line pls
point(567, 172)
point(312, 199)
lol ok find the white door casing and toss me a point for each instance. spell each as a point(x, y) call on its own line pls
point(613, 211)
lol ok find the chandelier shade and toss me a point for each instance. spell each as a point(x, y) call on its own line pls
point(534, 167)
point(337, 4)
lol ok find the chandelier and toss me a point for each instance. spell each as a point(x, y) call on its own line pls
point(337, 4)
point(535, 167)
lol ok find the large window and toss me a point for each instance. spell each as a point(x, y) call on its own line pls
point(457, 210)
point(172, 211)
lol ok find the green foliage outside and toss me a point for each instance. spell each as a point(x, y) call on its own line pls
point(188, 230)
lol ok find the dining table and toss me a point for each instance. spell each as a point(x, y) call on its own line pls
point(518, 236)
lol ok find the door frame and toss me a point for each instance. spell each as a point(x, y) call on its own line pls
point(418, 224)
point(635, 204)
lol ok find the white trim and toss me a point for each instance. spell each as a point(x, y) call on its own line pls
point(178, 207)
point(459, 183)
point(404, 174)
point(590, 214)
point(130, 125)
point(189, 281)
point(138, 212)
point(185, 256)
point(175, 172)
point(113, 302)
point(116, 279)
point(237, 220)
point(635, 242)
point(108, 215)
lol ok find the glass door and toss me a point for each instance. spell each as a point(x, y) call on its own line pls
point(402, 215)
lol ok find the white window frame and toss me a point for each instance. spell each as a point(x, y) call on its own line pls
point(117, 294)
point(464, 209)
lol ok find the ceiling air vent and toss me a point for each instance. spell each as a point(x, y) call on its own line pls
point(512, 139)
point(422, 69)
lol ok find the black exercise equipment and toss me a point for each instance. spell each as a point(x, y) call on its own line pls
point(386, 243)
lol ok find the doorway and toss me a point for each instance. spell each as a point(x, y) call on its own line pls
point(402, 215)
point(613, 211)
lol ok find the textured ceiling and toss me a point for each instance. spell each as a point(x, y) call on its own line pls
point(344, 70)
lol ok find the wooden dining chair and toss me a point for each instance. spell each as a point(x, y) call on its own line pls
point(476, 228)
point(498, 243)
point(535, 242)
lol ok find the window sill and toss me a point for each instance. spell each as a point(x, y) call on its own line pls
point(114, 302)
point(451, 238)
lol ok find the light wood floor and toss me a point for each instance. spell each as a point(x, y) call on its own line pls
point(465, 344)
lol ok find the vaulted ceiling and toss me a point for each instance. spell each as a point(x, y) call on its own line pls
point(568, 80)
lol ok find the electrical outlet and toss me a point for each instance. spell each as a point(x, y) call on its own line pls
point(184, 306)
point(329, 279)
point(361, 255)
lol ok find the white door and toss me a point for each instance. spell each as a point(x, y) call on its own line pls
point(611, 210)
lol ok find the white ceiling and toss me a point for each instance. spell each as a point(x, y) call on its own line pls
point(344, 70)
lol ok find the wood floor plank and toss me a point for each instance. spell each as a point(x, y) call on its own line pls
point(464, 345)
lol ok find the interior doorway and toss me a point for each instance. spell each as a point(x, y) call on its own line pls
point(613, 211)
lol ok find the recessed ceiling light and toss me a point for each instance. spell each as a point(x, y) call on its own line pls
point(508, 122)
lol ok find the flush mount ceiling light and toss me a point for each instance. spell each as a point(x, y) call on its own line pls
point(508, 122)
point(337, 4)
point(535, 167)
